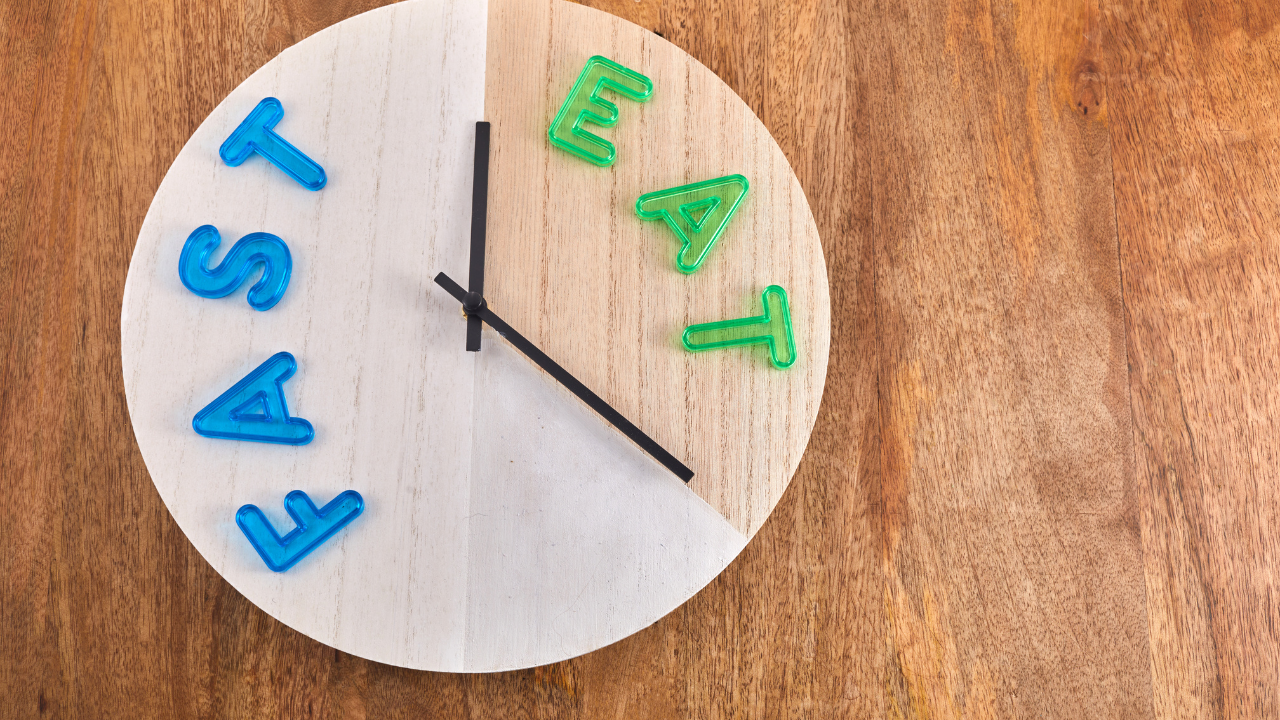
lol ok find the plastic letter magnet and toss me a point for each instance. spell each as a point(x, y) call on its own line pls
point(313, 527)
point(584, 105)
point(256, 135)
point(696, 213)
point(244, 257)
point(254, 408)
point(773, 328)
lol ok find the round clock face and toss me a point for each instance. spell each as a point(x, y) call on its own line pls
point(301, 388)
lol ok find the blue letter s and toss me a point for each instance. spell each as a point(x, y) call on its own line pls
point(252, 249)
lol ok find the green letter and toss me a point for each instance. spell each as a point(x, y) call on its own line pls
point(696, 213)
point(584, 105)
point(773, 328)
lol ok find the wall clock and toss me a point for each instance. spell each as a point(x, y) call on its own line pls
point(301, 386)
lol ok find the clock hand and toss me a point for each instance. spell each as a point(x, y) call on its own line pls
point(474, 305)
point(479, 216)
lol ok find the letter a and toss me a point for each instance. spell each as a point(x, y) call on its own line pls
point(696, 213)
point(254, 408)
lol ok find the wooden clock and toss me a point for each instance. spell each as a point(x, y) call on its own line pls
point(304, 381)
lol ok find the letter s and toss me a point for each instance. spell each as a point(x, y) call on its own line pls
point(252, 250)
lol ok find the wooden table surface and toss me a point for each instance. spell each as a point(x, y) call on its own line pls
point(1043, 480)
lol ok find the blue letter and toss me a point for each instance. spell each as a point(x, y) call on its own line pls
point(253, 249)
point(255, 135)
point(314, 527)
point(254, 408)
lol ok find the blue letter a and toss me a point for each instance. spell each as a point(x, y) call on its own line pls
point(254, 408)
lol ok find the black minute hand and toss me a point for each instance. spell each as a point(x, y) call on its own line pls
point(474, 305)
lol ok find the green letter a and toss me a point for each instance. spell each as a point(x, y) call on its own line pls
point(696, 213)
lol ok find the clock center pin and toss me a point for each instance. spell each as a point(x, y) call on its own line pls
point(473, 302)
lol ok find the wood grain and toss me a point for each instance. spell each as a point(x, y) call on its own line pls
point(504, 525)
point(106, 610)
point(597, 287)
point(1195, 138)
point(388, 393)
point(1004, 458)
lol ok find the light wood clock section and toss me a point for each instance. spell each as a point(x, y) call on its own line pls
point(504, 523)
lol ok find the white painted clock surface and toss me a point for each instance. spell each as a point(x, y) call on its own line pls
point(505, 524)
